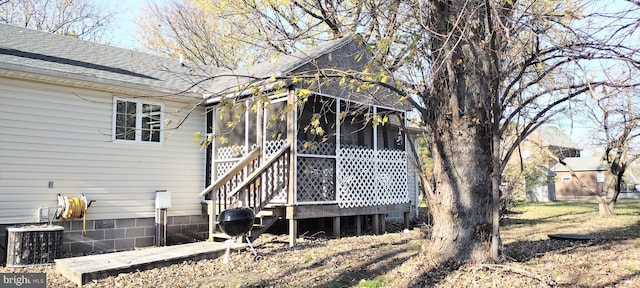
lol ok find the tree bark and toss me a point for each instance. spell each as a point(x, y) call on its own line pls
point(603, 208)
point(461, 201)
point(618, 188)
point(464, 76)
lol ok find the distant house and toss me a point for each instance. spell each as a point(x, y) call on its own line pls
point(550, 138)
point(590, 173)
point(118, 126)
point(535, 152)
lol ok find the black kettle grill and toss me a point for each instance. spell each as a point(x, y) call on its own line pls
point(236, 222)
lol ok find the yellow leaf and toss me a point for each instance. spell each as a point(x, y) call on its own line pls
point(304, 92)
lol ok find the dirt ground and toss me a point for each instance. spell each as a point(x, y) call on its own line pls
point(612, 259)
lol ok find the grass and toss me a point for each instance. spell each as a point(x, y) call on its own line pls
point(612, 259)
point(534, 221)
point(377, 282)
point(532, 259)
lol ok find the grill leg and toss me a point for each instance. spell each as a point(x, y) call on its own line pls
point(255, 254)
point(226, 254)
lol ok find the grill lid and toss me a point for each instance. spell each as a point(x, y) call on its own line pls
point(236, 221)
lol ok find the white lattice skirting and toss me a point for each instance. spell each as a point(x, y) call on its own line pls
point(368, 178)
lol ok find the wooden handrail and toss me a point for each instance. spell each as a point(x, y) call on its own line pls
point(251, 186)
point(253, 176)
point(252, 155)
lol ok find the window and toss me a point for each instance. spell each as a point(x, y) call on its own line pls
point(137, 121)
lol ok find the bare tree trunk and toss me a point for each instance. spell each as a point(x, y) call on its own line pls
point(603, 208)
point(616, 193)
point(462, 200)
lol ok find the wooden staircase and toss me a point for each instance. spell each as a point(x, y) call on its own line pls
point(247, 186)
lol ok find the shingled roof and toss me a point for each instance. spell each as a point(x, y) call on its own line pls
point(579, 164)
point(47, 57)
point(30, 54)
point(553, 136)
point(282, 66)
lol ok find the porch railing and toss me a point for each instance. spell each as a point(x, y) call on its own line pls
point(235, 175)
point(250, 186)
point(266, 182)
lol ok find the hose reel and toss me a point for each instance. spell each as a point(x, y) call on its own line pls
point(75, 207)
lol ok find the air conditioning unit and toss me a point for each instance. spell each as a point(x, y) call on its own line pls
point(33, 245)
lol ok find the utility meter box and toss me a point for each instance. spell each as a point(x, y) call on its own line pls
point(163, 199)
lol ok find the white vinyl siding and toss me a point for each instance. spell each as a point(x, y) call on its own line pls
point(64, 135)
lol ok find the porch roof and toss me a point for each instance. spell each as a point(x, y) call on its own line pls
point(346, 53)
point(224, 81)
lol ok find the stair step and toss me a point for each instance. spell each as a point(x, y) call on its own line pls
point(265, 213)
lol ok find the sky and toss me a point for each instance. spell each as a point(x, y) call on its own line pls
point(125, 30)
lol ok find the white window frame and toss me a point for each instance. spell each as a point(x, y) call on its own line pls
point(138, 128)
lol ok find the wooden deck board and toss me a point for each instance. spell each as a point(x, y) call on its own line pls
point(82, 270)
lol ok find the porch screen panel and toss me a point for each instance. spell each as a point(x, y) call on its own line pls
point(317, 126)
point(275, 138)
point(316, 150)
point(356, 129)
point(275, 122)
point(229, 128)
point(390, 136)
point(235, 135)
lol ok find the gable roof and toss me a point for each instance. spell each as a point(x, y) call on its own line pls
point(579, 164)
point(48, 57)
point(553, 136)
point(283, 66)
point(345, 54)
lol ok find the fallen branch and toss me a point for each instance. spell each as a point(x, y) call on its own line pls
point(517, 271)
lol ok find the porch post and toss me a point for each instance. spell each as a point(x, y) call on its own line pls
point(212, 205)
point(260, 127)
point(376, 224)
point(336, 227)
point(406, 220)
point(213, 200)
point(358, 225)
point(291, 139)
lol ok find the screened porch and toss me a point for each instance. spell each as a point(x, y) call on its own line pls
point(345, 153)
